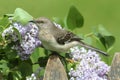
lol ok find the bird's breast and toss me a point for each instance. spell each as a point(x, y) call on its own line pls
point(46, 37)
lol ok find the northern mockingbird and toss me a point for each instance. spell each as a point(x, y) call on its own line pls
point(59, 40)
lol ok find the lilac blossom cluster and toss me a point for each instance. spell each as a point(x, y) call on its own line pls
point(29, 38)
point(89, 65)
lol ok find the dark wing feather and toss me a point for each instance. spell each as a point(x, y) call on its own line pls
point(67, 36)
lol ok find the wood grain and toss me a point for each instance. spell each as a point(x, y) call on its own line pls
point(54, 69)
point(114, 73)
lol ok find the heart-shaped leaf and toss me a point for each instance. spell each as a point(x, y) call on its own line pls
point(74, 18)
point(106, 38)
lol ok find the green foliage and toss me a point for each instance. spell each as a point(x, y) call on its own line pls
point(21, 16)
point(105, 37)
point(25, 68)
point(35, 56)
point(3, 67)
point(13, 68)
point(4, 23)
point(74, 18)
point(16, 75)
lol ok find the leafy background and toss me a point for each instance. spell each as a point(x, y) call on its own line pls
point(105, 12)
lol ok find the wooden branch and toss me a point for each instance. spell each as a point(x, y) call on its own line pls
point(55, 69)
point(114, 73)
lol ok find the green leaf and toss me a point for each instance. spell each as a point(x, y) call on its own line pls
point(1, 38)
point(9, 15)
point(1, 29)
point(103, 31)
point(4, 22)
point(43, 61)
point(35, 55)
point(17, 75)
point(105, 37)
point(35, 67)
point(25, 68)
point(18, 34)
point(74, 18)
point(88, 40)
point(22, 16)
point(10, 76)
point(11, 54)
point(71, 65)
point(4, 67)
point(107, 41)
point(98, 43)
point(39, 71)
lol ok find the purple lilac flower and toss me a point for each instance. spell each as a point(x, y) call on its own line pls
point(9, 34)
point(29, 41)
point(89, 67)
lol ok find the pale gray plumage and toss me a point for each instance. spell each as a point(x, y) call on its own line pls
point(59, 40)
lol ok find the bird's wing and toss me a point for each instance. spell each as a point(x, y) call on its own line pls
point(63, 36)
point(66, 36)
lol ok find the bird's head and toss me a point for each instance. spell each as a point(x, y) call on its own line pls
point(42, 22)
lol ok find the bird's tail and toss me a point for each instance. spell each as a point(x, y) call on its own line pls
point(93, 48)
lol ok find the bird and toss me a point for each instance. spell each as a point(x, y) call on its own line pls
point(59, 40)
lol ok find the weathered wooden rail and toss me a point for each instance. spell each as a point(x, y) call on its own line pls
point(114, 73)
point(55, 70)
